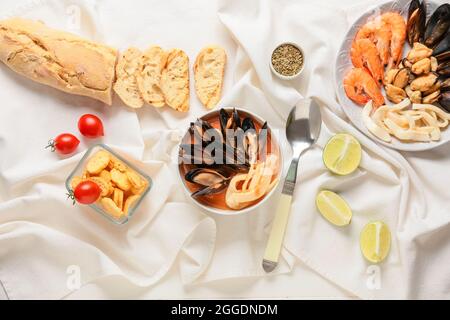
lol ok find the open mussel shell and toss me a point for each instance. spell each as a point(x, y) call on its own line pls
point(211, 180)
point(262, 138)
point(204, 132)
point(443, 69)
point(209, 191)
point(443, 56)
point(442, 50)
point(437, 26)
point(206, 177)
point(223, 120)
point(416, 21)
point(444, 83)
point(229, 121)
point(250, 140)
point(444, 100)
point(248, 124)
point(236, 123)
point(229, 125)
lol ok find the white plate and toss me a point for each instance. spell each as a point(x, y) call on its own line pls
point(344, 64)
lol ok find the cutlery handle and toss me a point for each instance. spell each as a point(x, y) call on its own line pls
point(280, 221)
point(276, 237)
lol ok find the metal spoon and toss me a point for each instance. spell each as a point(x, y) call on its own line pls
point(302, 131)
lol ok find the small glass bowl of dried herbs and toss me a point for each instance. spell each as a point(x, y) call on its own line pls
point(287, 61)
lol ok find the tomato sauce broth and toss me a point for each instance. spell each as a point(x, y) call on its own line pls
point(218, 200)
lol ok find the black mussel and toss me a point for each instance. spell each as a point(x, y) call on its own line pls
point(248, 124)
point(262, 141)
point(444, 101)
point(223, 119)
point(229, 125)
point(443, 56)
point(211, 190)
point(444, 83)
point(206, 177)
point(416, 21)
point(437, 26)
point(203, 131)
point(236, 123)
point(198, 127)
point(196, 132)
point(228, 121)
point(250, 142)
point(442, 50)
point(255, 142)
point(443, 68)
point(212, 180)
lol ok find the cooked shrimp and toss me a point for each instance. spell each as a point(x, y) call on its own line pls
point(364, 54)
point(361, 87)
point(383, 37)
point(367, 31)
point(380, 34)
point(397, 26)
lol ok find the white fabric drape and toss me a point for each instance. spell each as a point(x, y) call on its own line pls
point(42, 235)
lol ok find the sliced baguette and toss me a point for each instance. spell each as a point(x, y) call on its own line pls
point(209, 69)
point(126, 84)
point(175, 80)
point(149, 76)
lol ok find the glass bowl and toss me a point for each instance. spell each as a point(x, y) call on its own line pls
point(80, 168)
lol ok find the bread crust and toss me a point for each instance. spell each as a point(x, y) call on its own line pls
point(149, 76)
point(126, 85)
point(58, 59)
point(175, 80)
point(209, 70)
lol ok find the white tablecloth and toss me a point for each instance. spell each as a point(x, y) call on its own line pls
point(171, 249)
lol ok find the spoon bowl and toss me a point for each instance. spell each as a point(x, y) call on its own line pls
point(303, 124)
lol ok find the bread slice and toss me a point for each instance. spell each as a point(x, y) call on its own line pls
point(209, 69)
point(149, 76)
point(175, 80)
point(126, 84)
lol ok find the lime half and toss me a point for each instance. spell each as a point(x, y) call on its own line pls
point(342, 154)
point(375, 241)
point(333, 208)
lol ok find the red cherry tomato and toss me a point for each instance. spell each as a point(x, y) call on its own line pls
point(90, 126)
point(87, 192)
point(64, 143)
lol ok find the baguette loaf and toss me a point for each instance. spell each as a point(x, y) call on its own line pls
point(126, 85)
point(149, 76)
point(58, 59)
point(209, 70)
point(175, 80)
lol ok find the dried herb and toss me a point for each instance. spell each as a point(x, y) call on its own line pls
point(287, 60)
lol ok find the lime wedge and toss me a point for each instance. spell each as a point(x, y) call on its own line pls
point(342, 154)
point(375, 241)
point(333, 208)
